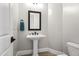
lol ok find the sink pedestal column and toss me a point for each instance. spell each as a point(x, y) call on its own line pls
point(35, 47)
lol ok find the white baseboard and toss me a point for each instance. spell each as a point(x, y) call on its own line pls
point(43, 50)
point(24, 52)
point(19, 53)
point(55, 51)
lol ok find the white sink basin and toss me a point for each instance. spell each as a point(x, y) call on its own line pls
point(33, 37)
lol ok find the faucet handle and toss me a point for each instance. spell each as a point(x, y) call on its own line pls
point(35, 33)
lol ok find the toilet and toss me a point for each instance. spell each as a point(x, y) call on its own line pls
point(73, 49)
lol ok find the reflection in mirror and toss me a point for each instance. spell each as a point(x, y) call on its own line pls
point(34, 20)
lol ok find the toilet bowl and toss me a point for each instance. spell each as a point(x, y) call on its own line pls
point(73, 49)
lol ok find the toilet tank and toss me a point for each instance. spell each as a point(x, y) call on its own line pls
point(73, 49)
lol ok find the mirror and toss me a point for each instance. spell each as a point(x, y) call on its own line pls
point(34, 20)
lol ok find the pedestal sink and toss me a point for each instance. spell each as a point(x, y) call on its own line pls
point(35, 39)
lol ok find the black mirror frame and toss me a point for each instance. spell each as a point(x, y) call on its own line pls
point(29, 20)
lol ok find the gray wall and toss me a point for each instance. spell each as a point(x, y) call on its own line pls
point(23, 42)
point(70, 24)
point(63, 25)
point(55, 26)
point(60, 23)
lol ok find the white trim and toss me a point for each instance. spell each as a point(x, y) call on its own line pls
point(43, 49)
point(55, 51)
point(19, 53)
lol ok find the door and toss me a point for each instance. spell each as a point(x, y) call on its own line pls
point(4, 27)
